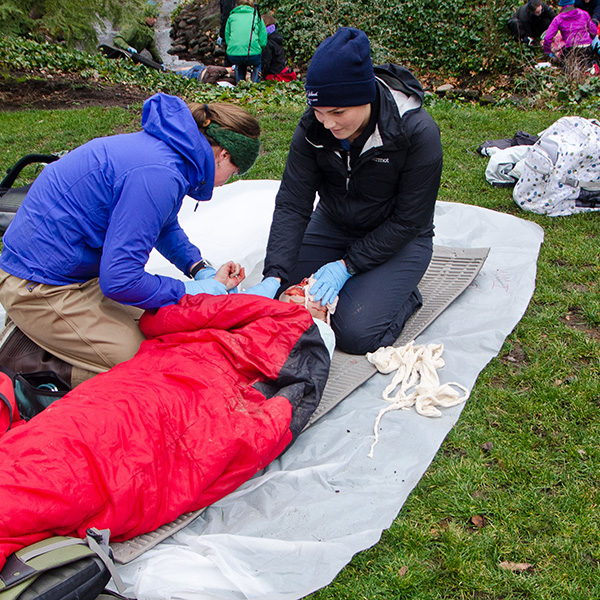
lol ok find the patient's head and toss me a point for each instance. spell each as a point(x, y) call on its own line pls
point(298, 294)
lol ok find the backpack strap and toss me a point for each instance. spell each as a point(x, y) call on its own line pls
point(98, 542)
point(23, 567)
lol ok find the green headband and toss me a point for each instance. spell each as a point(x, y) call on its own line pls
point(243, 149)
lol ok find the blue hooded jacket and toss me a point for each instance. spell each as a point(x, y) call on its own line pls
point(99, 210)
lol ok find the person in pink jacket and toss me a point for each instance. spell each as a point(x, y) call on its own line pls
point(577, 30)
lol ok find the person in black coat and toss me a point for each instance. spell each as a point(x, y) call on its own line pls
point(225, 6)
point(373, 155)
point(273, 56)
point(530, 21)
point(592, 7)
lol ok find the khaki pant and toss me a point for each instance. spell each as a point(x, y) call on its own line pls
point(76, 323)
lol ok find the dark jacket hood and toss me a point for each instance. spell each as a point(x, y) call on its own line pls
point(401, 79)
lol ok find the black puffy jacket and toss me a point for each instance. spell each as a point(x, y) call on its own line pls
point(388, 197)
point(273, 55)
point(524, 24)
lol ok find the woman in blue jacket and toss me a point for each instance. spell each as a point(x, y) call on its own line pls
point(373, 155)
point(72, 270)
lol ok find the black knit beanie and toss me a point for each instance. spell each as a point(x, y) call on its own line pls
point(341, 72)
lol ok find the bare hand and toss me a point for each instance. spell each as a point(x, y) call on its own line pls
point(231, 274)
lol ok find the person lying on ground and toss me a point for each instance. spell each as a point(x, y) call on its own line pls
point(72, 269)
point(300, 294)
point(212, 74)
point(220, 387)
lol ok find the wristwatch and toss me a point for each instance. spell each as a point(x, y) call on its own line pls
point(350, 267)
point(201, 264)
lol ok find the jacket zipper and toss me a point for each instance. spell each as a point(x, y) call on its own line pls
point(348, 170)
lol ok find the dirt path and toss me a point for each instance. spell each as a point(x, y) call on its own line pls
point(63, 92)
point(70, 91)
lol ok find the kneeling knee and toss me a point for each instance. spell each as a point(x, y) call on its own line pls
point(356, 341)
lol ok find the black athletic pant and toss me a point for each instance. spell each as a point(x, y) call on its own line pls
point(373, 306)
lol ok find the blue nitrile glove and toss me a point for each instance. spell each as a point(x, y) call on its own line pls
point(208, 286)
point(206, 273)
point(329, 280)
point(131, 50)
point(267, 288)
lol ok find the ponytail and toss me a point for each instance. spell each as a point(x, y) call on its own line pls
point(230, 127)
point(228, 116)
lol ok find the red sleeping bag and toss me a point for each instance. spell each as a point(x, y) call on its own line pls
point(221, 386)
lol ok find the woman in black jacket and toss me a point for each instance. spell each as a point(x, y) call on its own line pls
point(530, 21)
point(373, 155)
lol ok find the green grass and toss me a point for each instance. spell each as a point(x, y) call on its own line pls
point(537, 485)
point(50, 132)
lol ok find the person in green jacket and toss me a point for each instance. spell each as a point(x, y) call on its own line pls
point(139, 35)
point(246, 37)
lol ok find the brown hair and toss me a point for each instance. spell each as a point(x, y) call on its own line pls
point(245, 2)
point(268, 19)
point(228, 116)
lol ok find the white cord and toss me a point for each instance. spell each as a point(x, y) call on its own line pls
point(416, 382)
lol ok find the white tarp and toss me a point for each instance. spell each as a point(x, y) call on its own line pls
point(293, 527)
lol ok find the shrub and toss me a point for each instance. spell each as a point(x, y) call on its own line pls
point(453, 36)
point(63, 20)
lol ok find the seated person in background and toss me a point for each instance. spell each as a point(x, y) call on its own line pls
point(577, 30)
point(139, 35)
point(530, 21)
point(273, 56)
